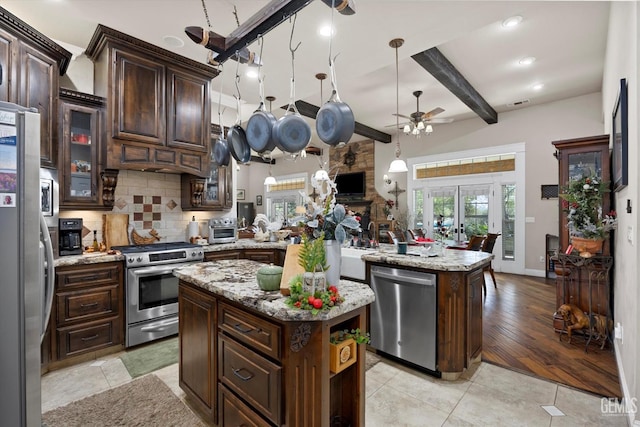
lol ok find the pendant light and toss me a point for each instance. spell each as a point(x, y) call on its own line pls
point(270, 180)
point(398, 165)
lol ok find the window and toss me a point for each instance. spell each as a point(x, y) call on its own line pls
point(508, 221)
point(283, 197)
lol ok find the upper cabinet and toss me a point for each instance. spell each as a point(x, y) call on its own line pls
point(30, 66)
point(80, 141)
point(577, 158)
point(158, 105)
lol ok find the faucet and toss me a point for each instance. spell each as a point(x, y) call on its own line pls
point(372, 235)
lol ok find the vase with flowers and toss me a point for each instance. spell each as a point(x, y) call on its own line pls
point(582, 202)
point(327, 220)
point(386, 208)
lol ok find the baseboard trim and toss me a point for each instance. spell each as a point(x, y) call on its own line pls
point(626, 395)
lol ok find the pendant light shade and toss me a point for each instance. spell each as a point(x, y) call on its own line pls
point(398, 165)
point(270, 180)
point(321, 175)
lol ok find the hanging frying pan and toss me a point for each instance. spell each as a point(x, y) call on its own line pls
point(291, 132)
point(236, 137)
point(335, 122)
point(260, 125)
point(220, 152)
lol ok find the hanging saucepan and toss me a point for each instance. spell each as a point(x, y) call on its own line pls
point(260, 125)
point(335, 122)
point(291, 132)
point(236, 137)
point(220, 147)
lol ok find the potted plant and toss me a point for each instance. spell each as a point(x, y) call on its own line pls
point(313, 259)
point(342, 348)
point(582, 202)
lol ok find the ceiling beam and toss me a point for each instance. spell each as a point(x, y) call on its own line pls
point(439, 66)
point(309, 110)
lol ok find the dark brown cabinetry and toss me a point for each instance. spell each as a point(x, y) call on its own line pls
point(158, 108)
point(197, 313)
point(268, 256)
point(31, 65)
point(576, 158)
point(475, 284)
point(79, 163)
point(269, 372)
point(87, 313)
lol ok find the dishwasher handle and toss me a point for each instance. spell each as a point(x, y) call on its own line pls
point(403, 278)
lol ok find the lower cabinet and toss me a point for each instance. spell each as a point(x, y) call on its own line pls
point(268, 256)
point(475, 284)
point(197, 334)
point(265, 372)
point(88, 310)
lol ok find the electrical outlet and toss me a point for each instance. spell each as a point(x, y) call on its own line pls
point(541, 258)
point(619, 332)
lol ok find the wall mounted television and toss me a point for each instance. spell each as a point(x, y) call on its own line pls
point(351, 185)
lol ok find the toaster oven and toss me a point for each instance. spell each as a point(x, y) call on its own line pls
point(223, 230)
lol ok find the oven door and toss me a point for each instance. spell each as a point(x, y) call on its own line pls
point(152, 292)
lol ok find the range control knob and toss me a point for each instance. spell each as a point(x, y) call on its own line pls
point(139, 259)
point(130, 260)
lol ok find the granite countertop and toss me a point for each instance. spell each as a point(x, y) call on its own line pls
point(236, 281)
point(245, 244)
point(451, 260)
point(87, 258)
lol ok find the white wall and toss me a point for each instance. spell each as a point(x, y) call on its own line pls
point(622, 62)
point(537, 126)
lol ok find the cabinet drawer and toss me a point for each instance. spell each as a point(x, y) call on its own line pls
point(86, 304)
point(264, 336)
point(233, 412)
point(267, 257)
point(250, 376)
point(88, 337)
point(90, 275)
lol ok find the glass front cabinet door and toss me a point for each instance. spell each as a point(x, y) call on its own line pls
point(78, 166)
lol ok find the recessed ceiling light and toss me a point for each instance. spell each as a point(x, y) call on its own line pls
point(537, 86)
point(325, 31)
point(512, 21)
point(173, 41)
point(252, 73)
point(527, 60)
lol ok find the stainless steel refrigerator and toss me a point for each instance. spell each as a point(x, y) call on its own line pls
point(26, 266)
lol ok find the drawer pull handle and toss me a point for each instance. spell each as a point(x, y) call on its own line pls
point(236, 372)
point(239, 328)
point(90, 338)
point(93, 304)
point(91, 278)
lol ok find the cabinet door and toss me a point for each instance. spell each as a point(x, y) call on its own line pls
point(198, 336)
point(260, 255)
point(139, 94)
point(8, 85)
point(78, 166)
point(39, 89)
point(475, 283)
point(188, 111)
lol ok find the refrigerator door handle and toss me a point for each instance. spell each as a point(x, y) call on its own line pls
point(47, 281)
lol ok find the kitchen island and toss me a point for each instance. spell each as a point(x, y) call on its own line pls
point(453, 310)
point(246, 357)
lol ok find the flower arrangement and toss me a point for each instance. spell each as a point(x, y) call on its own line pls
point(355, 334)
point(388, 205)
point(582, 202)
point(327, 218)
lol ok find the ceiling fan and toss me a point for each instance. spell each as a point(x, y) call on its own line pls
point(419, 121)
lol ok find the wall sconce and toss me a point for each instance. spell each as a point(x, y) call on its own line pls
point(386, 179)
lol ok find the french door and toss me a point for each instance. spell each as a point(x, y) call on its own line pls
point(459, 212)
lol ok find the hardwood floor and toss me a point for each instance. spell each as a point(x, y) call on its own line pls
point(518, 334)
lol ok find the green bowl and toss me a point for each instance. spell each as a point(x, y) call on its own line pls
point(269, 277)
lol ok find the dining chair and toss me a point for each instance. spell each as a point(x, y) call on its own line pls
point(475, 243)
point(487, 246)
point(392, 237)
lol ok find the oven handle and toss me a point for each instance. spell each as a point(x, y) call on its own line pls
point(159, 269)
point(159, 326)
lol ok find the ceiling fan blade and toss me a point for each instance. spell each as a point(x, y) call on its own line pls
point(433, 112)
point(400, 125)
point(436, 121)
point(402, 115)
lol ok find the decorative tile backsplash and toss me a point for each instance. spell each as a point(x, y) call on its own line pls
point(152, 201)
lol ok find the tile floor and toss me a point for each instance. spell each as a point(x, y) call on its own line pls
point(396, 396)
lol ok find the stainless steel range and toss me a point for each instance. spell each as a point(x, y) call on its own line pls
point(152, 290)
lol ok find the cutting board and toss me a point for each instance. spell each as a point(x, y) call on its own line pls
point(290, 268)
point(114, 230)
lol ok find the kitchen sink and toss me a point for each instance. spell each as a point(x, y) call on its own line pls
point(352, 265)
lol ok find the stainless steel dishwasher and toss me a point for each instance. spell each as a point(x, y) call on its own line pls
point(404, 314)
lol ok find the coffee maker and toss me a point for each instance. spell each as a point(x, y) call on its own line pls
point(70, 230)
